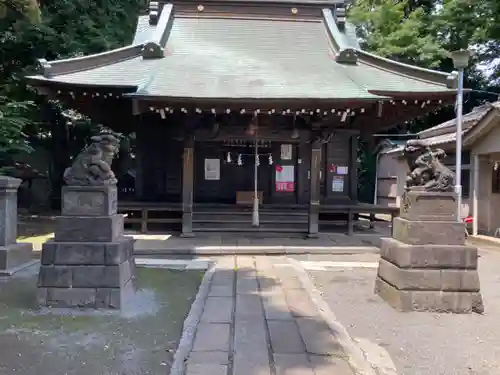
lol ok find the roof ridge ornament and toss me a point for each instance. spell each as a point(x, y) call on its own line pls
point(45, 67)
point(344, 54)
point(154, 12)
point(347, 56)
point(153, 49)
point(339, 13)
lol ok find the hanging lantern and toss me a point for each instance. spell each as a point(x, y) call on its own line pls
point(270, 159)
point(228, 157)
point(257, 160)
point(239, 162)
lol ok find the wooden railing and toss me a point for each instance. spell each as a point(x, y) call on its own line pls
point(170, 214)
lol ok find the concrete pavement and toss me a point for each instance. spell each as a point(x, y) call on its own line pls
point(255, 316)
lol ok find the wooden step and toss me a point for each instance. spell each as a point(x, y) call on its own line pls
point(249, 212)
point(247, 225)
point(256, 231)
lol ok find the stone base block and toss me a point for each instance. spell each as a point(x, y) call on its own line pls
point(89, 200)
point(87, 253)
point(429, 206)
point(429, 232)
point(427, 279)
point(84, 276)
point(428, 256)
point(107, 298)
point(14, 257)
point(429, 300)
point(89, 228)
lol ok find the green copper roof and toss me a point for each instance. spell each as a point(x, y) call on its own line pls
point(250, 58)
point(240, 56)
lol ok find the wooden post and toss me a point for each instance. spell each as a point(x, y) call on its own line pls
point(139, 162)
point(314, 191)
point(475, 193)
point(187, 188)
point(353, 169)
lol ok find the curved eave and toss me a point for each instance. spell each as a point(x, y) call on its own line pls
point(415, 94)
point(447, 80)
point(149, 50)
point(144, 96)
point(52, 69)
point(273, 2)
point(39, 80)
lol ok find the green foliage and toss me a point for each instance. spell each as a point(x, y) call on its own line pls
point(23, 9)
point(12, 123)
point(422, 32)
point(394, 30)
point(63, 28)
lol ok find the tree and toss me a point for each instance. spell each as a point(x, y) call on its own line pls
point(63, 28)
point(398, 30)
point(27, 9)
point(12, 123)
point(422, 32)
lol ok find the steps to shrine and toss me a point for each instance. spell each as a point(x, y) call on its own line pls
point(240, 220)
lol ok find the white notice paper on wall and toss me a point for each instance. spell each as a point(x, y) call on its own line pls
point(286, 174)
point(286, 152)
point(342, 170)
point(212, 169)
point(338, 184)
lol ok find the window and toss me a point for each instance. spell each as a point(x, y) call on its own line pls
point(465, 182)
point(449, 161)
point(465, 177)
point(495, 180)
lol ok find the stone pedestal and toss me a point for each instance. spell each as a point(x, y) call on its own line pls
point(426, 266)
point(13, 255)
point(90, 262)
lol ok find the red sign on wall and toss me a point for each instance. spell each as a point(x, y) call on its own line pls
point(288, 187)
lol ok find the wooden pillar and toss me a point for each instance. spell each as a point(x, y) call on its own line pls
point(475, 193)
point(314, 190)
point(353, 169)
point(187, 188)
point(139, 163)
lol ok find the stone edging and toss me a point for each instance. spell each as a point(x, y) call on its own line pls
point(355, 354)
point(190, 324)
point(259, 250)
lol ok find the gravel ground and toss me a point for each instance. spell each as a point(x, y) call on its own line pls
point(419, 343)
point(141, 339)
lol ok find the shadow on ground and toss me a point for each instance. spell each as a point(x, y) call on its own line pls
point(294, 339)
point(143, 338)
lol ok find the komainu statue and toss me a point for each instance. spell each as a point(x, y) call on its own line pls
point(427, 171)
point(92, 167)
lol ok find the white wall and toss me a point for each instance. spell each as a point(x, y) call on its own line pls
point(391, 175)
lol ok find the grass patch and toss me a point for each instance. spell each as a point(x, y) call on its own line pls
point(140, 340)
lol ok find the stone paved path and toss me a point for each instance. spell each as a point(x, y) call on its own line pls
point(259, 320)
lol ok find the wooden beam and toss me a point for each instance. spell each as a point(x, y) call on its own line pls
point(353, 166)
point(187, 187)
point(314, 190)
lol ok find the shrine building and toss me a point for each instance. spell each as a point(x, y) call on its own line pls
point(228, 98)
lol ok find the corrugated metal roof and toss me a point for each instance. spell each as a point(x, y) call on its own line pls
point(469, 120)
point(445, 132)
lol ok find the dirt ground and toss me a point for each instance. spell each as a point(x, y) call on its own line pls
point(419, 343)
point(141, 339)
